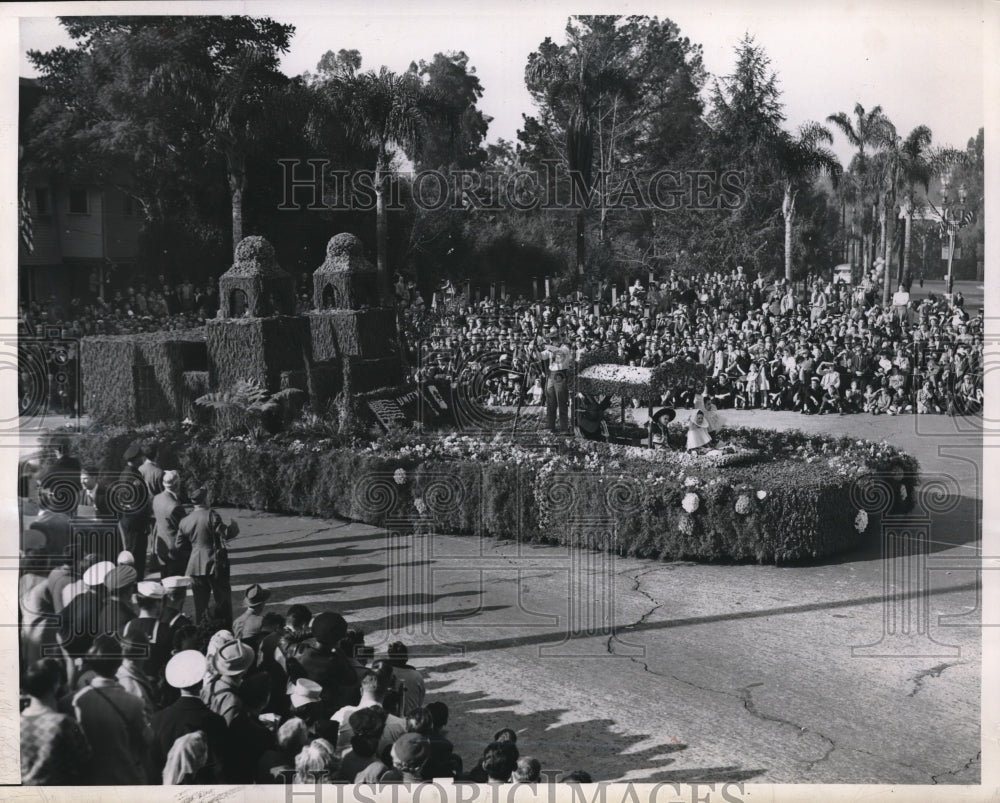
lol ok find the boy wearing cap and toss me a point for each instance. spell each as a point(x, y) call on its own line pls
point(188, 713)
point(248, 625)
point(167, 515)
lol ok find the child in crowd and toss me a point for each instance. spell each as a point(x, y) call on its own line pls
point(853, 398)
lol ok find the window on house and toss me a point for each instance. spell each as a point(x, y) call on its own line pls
point(42, 203)
point(79, 201)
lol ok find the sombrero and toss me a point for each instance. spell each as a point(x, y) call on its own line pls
point(667, 413)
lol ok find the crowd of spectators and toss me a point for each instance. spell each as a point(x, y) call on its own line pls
point(830, 348)
point(124, 682)
point(140, 307)
point(827, 348)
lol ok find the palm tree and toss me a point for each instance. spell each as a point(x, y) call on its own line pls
point(799, 159)
point(384, 111)
point(243, 111)
point(863, 132)
point(574, 82)
point(914, 170)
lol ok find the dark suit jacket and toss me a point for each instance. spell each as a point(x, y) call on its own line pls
point(114, 616)
point(330, 669)
point(64, 471)
point(134, 517)
point(78, 622)
point(153, 476)
point(197, 533)
point(186, 715)
point(101, 505)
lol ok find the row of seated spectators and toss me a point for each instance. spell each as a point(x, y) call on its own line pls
point(762, 347)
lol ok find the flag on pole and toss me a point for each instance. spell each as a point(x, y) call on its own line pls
point(26, 225)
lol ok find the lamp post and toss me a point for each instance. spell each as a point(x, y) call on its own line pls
point(951, 216)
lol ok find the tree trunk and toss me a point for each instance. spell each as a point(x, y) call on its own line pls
point(381, 235)
point(581, 242)
point(907, 233)
point(788, 211)
point(887, 273)
point(237, 198)
point(237, 184)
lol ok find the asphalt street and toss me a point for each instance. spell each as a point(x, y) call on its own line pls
point(858, 669)
point(863, 668)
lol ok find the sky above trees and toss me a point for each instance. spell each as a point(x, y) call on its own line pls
point(922, 60)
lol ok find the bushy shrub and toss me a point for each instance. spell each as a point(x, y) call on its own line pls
point(801, 501)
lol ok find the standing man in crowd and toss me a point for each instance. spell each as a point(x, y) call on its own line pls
point(135, 509)
point(150, 470)
point(203, 534)
point(559, 359)
point(167, 515)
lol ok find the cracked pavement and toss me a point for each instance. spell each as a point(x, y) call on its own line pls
point(678, 672)
point(669, 671)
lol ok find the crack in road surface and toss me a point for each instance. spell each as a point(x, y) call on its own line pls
point(933, 672)
point(746, 696)
point(968, 764)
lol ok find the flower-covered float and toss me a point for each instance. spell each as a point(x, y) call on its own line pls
point(760, 495)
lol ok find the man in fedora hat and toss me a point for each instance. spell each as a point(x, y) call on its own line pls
point(135, 510)
point(167, 515)
point(203, 534)
point(185, 672)
point(231, 663)
point(247, 626)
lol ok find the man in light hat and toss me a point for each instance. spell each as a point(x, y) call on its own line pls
point(125, 558)
point(80, 620)
point(160, 636)
point(167, 515)
point(232, 662)
point(117, 611)
point(185, 672)
point(134, 518)
point(173, 604)
point(247, 626)
point(304, 692)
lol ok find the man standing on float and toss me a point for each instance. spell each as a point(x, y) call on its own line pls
point(559, 358)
